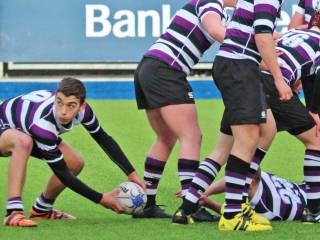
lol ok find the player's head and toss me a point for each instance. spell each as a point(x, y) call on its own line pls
point(315, 20)
point(70, 99)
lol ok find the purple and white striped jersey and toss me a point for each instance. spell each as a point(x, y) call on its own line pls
point(300, 54)
point(249, 18)
point(278, 199)
point(185, 40)
point(34, 114)
point(307, 8)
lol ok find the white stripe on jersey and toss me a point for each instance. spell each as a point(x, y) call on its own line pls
point(8, 113)
point(96, 130)
point(185, 56)
point(264, 22)
point(275, 198)
point(45, 147)
point(188, 16)
point(241, 27)
point(208, 5)
point(24, 110)
point(54, 160)
point(43, 105)
point(91, 121)
point(167, 50)
point(186, 42)
point(300, 10)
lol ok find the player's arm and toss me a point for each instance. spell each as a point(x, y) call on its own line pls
point(298, 19)
point(213, 25)
point(211, 14)
point(62, 172)
point(216, 187)
point(110, 146)
point(263, 27)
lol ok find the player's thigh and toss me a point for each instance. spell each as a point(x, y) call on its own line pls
point(160, 126)
point(182, 119)
point(72, 158)
point(13, 138)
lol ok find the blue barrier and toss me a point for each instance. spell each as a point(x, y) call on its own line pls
point(89, 30)
point(204, 89)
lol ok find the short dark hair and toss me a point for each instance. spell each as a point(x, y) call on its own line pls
point(315, 20)
point(72, 87)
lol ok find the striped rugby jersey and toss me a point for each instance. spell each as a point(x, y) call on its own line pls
point(249, 18)
point(185, 40)
point(300, 54)
point(33, 113)
point(307, 8)
point(278, 199)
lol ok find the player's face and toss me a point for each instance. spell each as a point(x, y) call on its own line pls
point(66, 108)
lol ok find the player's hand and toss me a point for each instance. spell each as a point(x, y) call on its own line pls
point(284, 90)
point(297, 86)
point(178, 194)
point(316, 119)
point(109, 200)
point(133, 177)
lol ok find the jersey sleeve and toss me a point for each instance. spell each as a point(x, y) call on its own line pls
point(265, 14)
point(205, 7)
point(301, 7)
point(90, 121)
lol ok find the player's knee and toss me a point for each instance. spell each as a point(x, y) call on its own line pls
point(77, 165)
point(24, 144)
point(168, 140)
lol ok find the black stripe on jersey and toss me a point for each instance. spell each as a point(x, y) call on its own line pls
point(180, 45)
point(45, 141)
point(14, 116)
point(295, 54)
point(203, 3)
point(185, 33)
point(190, 8)
point(180, 57)
point(287, 207)
point(26, 121)
point(314, 45)
point(46, 110)
point(93, 126)
point(50, 118)
point(242, 20)
point(265, 16)
point(242, 42)
point(309, 11)
point(269, 199)
point(88, 115)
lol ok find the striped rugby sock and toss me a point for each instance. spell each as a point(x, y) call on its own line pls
point(153, 170)
point(14, 204)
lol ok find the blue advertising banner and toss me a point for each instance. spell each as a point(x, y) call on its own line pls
point(89, 30)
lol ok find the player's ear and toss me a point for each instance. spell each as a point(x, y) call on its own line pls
point(83, 106)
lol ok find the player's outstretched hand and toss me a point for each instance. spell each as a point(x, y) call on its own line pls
point(284, 90)
point(109, 200)
point(133, 177)
point(316, 119)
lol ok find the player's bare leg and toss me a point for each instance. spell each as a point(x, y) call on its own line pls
point(19, 146)
point(43, 208)
point(155, 163)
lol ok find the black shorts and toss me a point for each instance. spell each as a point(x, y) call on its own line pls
point(157, 85)
point(291, 116)
point(307, 85)
point(241, 89)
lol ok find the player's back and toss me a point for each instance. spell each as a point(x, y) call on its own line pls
point(249, 18)
point(185, 40)
point(300, 54)
point(278, 199)
point(22, 111)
